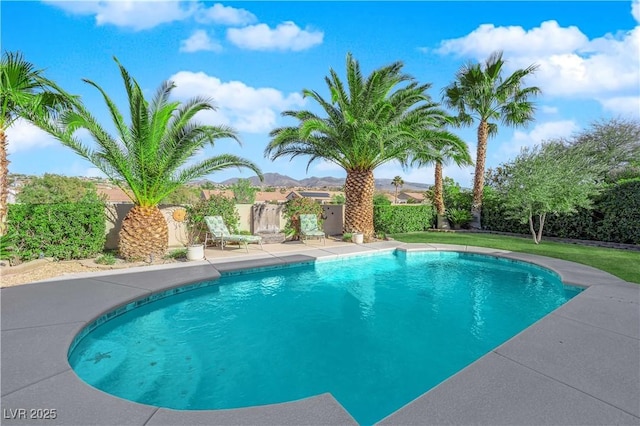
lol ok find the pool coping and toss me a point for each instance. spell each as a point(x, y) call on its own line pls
point(578, 365)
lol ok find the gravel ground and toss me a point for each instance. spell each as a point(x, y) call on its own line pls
point(44, 269)
point(42, 272)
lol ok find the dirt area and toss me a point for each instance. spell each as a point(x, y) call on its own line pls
point(44, 269)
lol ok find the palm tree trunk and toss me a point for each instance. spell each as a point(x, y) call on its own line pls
point(4, 182)
point(144, 234)
point(438, 199)
point(438, 189)
point(359, 188)
point(478, 178)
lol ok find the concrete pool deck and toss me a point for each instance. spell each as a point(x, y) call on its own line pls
point(578, 365)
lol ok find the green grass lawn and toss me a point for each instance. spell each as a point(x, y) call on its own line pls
point(624, 264)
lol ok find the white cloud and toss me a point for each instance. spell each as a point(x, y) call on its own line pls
point(635, 10)
point(540, 133)
point(547, 39)
point(623, 105)
point(286, 36)
point(570, 65)
point(246, 108)
point(225, 15)
point(24, 136)
point(198, 41)
point(547, 109)
point(610, 67)
point(136, 15)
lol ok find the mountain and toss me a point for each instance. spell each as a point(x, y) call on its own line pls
point(278, 180)
point(321, 182)
point(270, 179)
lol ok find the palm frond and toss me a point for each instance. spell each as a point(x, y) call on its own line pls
point(149, 156)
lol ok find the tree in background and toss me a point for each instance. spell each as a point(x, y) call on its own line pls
point(292, 211)
point(337, 199)
point(481, 93)
point(440, 147)
point(367, 122)
point(149, 158)
point(184, 194)
point(381, 199)
point(243, 191)
point(614, 143)
point(52, 189)
point(454, 196)
point(208, 185)
point(397, 182)
point(24, 93)
point(550, 178)
point(216, 205)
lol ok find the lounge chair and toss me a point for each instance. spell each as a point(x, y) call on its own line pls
point(309, 228)
point(218, 232)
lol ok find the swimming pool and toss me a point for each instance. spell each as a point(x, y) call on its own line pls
point(374, 331)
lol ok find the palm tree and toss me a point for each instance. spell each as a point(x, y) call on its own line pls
point(480, 92)
point(440, 147)
point(368, 123)
point(24, 93)
point(397, 182)
point(149, 157)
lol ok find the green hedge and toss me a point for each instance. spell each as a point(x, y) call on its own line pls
point(63, 231)
point(494, 217)
point(619, 208)
point(614, 217)
point(395, 219)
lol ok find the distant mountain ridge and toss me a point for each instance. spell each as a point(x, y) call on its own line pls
point(278, 180)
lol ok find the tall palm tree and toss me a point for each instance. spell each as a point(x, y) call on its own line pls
point(368, 123)
point(480, 92)
point(24, 93)
point(397, 182)
point(148, 158)
point(440, 147)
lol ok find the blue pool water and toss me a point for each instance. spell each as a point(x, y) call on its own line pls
point(376, 332)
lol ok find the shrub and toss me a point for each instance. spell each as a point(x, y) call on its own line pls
point(380, 199)
point(347, 237)
point(216, 205)
point(579, 225)
point(54, 189)
point(292, 211)
point(106, 259)
point(63, 231)
point(459, 218)
point(454, 196)
point(177, 254)
point(7, 244)
point(338, 199)
point(395, 219)
point(619, 213)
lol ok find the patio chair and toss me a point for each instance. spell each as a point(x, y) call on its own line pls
point(218, 232)
point(309, 228)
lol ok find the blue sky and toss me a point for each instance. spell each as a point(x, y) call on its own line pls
point(254, 59)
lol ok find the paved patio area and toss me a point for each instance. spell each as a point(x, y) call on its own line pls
point(578, 365)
